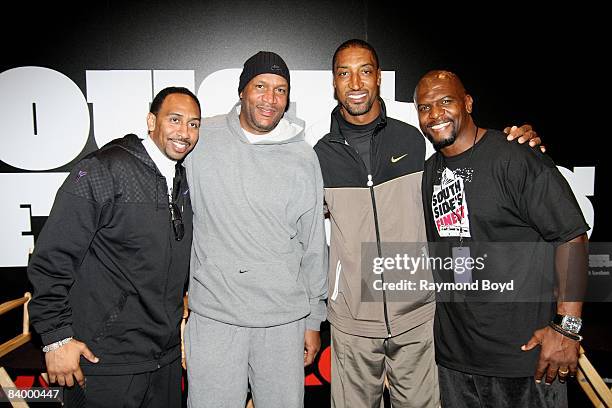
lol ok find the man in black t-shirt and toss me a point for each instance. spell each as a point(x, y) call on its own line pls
point(504, 216)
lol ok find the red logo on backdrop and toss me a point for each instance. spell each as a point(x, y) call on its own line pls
point(320, 371)
point(27, 381)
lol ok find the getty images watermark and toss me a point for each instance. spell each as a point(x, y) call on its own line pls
point(484, 271)
point(463, 266)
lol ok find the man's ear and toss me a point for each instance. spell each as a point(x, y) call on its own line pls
point(151, 121)
point(468, 103)
point(379, 77)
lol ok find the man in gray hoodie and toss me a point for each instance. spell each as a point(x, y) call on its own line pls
point(259, 260)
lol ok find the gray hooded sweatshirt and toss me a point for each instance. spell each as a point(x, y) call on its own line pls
point(259, 256)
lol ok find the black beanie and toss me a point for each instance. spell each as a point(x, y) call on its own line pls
point(264, 62)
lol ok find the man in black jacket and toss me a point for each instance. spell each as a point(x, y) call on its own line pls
point(110, 266)
point(372, 167)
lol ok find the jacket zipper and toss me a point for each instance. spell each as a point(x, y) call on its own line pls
point(370, 184)
point(382, 274)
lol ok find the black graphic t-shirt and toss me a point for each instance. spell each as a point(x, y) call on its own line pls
point(506, 203)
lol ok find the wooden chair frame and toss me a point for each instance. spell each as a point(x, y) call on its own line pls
point(15, 342)
point(592, 384)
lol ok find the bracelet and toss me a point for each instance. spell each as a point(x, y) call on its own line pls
point(56, 345)
point(567, 334)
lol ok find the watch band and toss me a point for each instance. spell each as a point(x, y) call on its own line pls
point(567, 334)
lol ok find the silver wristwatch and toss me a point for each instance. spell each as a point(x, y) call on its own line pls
point(568, 323)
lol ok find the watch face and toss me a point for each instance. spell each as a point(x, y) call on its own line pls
point(571, 324)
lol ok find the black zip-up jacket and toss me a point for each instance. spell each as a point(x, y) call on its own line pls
point(380, 208)
point(107, 268)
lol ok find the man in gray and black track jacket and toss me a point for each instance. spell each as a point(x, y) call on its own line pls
point(372, 167)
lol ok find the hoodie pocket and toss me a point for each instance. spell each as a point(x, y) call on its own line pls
point(269, 286)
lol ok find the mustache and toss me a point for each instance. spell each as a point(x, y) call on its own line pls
point(180, 139)
point(267, 106)
point(439, 122)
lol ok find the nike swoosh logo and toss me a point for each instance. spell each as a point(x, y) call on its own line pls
point(394, 160)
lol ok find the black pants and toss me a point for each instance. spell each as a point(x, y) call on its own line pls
point(160, 388)
point(462, 390)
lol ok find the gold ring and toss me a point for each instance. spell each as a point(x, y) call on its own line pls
point(563, 372)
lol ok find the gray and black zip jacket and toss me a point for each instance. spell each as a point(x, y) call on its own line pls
point(380, 208)
point(259, 256)
point(107, 269)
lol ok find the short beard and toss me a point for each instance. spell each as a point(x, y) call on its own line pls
point(362, 110)
point(257, 125)
point(442, 143)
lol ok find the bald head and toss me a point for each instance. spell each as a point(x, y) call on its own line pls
point(436, 78)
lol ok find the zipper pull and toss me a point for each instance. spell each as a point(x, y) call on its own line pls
point(370, 183)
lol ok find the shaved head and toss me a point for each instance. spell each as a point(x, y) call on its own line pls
point(434, 76)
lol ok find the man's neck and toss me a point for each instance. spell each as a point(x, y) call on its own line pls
point(164, 164)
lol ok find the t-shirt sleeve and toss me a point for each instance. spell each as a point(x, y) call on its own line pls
point(544, 197)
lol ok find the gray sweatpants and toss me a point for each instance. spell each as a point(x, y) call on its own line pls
point(222, 359)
